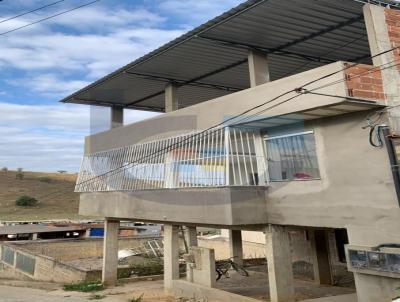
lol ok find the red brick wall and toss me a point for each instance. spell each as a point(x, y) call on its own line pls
point(393, 24)
point(364, 81)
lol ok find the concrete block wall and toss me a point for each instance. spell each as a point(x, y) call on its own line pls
point(45, 269)
point(66, 250)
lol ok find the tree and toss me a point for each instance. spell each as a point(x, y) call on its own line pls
point(20, 174)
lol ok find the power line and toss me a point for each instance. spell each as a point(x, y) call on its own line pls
point(31, 11)
point(50, 17)
point(300, 91)
point(243, 113)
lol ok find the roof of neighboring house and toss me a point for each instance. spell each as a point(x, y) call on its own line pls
point(209, 61)
point(36, 228)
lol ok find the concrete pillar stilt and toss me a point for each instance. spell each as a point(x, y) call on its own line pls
point(320, 254)
point(191, 236)
point(280, 271)
point(110, 252)
point(236, 246)
point(171, 255)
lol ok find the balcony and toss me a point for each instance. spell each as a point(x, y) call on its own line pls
point(208, 159)
point(200, 177)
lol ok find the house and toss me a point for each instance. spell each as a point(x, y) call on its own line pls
point(279, 116)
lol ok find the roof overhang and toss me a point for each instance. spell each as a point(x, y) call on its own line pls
point(210, 61)
point(346, 106)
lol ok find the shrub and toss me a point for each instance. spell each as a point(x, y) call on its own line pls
point(84, 286)
point(26, 201)
point(20, 174)
point(152, 267)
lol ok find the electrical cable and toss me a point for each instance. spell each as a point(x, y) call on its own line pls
point(47, 18)
point(298, 90)
point(31, 11)
point(243, 113)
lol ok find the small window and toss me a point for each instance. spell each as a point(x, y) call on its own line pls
point(292, 157)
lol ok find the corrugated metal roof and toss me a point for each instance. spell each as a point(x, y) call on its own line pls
point(209, 61)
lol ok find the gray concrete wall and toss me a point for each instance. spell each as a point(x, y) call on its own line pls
point(356, 184)
point(215, 206)
point(199, 116)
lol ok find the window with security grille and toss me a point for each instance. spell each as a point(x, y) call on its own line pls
point(292, 157)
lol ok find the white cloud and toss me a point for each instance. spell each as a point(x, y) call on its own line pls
point(48, 137)
point(198, 10)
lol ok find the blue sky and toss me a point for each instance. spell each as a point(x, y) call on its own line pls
point(41, 64)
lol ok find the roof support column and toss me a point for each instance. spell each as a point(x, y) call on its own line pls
point(117, 117)
point(382, 28)
point(171, 97)
point(258, 68)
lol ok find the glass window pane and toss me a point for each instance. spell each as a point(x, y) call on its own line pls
point(292, 157)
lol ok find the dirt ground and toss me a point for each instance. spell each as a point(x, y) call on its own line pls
point(13, 291)
point(255, 286)
point(54, 191)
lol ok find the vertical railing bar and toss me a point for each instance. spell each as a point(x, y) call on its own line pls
point(227, 156)
point(132, 167)
point(251, 158)
point(244, 157)
point(221, 157)
point(211, 157)
point(237, 157)
point(180, 146)
point(189, 142)
point(194, 181)
point(149, 170)
point(200, 156)
point(170, 167)
point(155, 163)
point(203, 159)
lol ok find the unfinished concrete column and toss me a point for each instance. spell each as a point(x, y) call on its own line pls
point(117, 117)
point(236, 246)
point(279, 258)
point(171, 97)
point(320, 255)
point(383, 28)
point(191, 236)
point(110, 252)
point(171, 255)
point(258, 68)
point(35, 236)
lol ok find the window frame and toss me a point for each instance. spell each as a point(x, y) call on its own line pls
point(267, 138)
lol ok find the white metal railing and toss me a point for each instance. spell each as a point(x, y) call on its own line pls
point(221, 157)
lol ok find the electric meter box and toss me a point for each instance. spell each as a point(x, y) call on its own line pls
point(384, 261)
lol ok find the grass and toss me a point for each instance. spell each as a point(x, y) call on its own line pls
point(61, 201)
point(84, 286)
point(149, 268)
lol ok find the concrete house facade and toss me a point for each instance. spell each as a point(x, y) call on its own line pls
point(279, 117)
